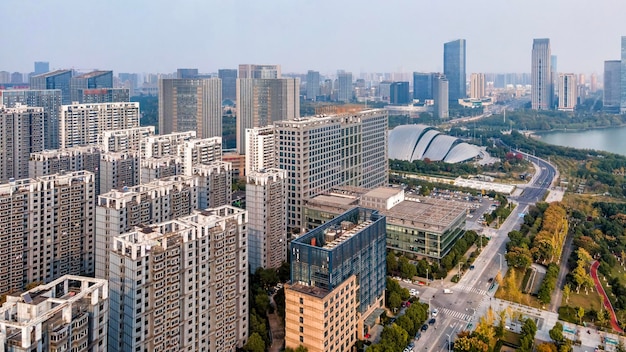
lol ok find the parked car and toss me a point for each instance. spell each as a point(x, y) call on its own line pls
point(418, 335)
point(424, 327)
point(435, 312)
point(432, 321)
point(490, 280)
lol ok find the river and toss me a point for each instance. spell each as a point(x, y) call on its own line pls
point(611, 140)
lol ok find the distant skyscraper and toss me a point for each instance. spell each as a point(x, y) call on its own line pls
point(593, 84)
point(41, 67)
point(17, 77)
point(623, 77)
point(91, 80)
point(399, 93)
point(261, 102)
point(187, 73)
point(541, 76)
point(454, 68)
point(441, 96)
point(48, 99)
point(60, 79)
point(422, 86)
point(312, 85)
point(477, 85)
point(181, 285)
point(344, 89)
point(612, 85)
point(191, 105)
point(384, 90)
point(82, 124)
point(567, 91)
point(259, 71)
point(21, 133)
point(266, 203)
point(555, 78)
point(229, 83)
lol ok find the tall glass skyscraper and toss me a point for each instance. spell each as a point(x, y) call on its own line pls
point(612, 86)
point(423, 86)
point(454, 68)
point(623, 77)
point(541, 76)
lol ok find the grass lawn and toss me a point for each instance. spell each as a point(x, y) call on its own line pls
point(591, 303)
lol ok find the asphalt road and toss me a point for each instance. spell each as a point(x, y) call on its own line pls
point(458, 310)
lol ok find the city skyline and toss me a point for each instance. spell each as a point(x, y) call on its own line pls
point(500, 42)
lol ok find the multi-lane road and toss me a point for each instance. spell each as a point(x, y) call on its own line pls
point(473, 294)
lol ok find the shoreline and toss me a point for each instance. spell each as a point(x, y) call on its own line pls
point(537, 134)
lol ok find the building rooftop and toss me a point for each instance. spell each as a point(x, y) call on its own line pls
point(425, 213)
point(53, 73)
point(383, 192)
point(93, 74)
point(310, 290)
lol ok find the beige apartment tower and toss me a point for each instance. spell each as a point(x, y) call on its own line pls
point(21, 133)
point(477, 85)
point(260, 148)
point(181, 285)
point(82, 124)
point(567, 91)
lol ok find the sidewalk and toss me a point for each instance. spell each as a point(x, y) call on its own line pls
point(277, 330)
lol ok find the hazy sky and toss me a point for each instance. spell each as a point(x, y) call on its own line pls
point(324, 35)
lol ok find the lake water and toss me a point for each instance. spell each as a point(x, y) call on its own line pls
point(608, 139)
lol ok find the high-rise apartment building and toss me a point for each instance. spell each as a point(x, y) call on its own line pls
point(399, 93)
point(48, 99)
point(181, 285)
point(91, 80)
point(319, 153)
point(422, 86)
point(567, 91)
point(119, 170)
point(612, 85)
point(165, 144)
point(50, 162)
point(60, 79)
point(260, 148)
point(337, 282)
point(214, 184)
point(344, 86)
point(229, 83)
point(541, 76)
point(41, 67)
point(454, 68)
point(261, 102)
point(191, 105)
point(199, 151)
point(153, 168)
point(21, 133)
point(312, 85)
point(623, 77)
point(81, 124)
point(259, 71)
point(128, 139)
point(119, 211)
point(47, 227)
point(67, 314)
point(266, 203)
point(441, 96)
point(477, 85)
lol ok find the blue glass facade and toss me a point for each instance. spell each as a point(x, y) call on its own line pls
point(454, 68)
point(353, 243)
point(422, 86)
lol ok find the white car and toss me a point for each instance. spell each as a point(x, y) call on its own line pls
point(414, 292)
point(435, 312)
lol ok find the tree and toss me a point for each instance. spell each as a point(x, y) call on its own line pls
point(298, 349)
point(581, 314)
point(519, 257)
point(394, 336)
point(511, 287)
point(546, 347)
point(392, 263)
point(601, 315)
point(407, 270)
point(394, 301)
point(566, 293)
point(498, 278)
point(255, 343)
point(556, 333)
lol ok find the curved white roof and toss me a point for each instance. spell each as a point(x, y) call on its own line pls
point(439, 147)
point(417, 142)
point(462, 152)
point(402, 141)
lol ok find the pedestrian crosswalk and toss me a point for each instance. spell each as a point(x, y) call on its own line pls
point(455, 314)
point(464, 288)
